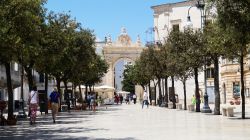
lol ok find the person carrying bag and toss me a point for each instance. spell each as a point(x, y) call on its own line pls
point(33, 104)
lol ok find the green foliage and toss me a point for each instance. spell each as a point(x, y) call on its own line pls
point(128, 81)
point(185, 52)
point(234, 17)
point(96, 70)
point(144, 68)
point(20, 28)
point(20, 23)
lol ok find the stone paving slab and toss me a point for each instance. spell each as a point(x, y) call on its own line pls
point(131, 122)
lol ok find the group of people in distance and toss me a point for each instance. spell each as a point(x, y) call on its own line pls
point(118, 98)
point(92, 102)
point(133, 97)
point(33, 102)
point(54, 100)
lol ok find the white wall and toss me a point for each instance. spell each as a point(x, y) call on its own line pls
point(167, 15)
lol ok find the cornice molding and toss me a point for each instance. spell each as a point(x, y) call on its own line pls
point(159, 9)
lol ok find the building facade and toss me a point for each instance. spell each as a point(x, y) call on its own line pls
point(173, 16)
point(170, 16)
point(16, 81)
point(16, 84)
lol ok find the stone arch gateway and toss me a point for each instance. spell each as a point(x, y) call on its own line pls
point(123, 49)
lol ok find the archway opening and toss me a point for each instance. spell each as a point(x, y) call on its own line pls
point(119, 68)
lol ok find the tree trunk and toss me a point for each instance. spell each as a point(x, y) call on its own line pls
point(74, 93)
point(150, 93)
point(10, 91)
point(163, 90)
point(166, 91)
point(46, 92)
point(80, 90)
point(58, 81)
point(185, 94)
point(86, 92)
point(197, 94)
point(242, 82)
point(90, 90)
point(66, 94)
point(28, 70)
point(160, 93)
point(173, 94)
point(216, 87)
point(155, 92)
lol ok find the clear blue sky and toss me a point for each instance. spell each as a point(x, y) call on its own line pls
point(108, 16)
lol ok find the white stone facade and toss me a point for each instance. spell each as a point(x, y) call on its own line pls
point(122, 49)
point(174, 15)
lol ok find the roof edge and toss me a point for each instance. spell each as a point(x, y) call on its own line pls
point(173, 4)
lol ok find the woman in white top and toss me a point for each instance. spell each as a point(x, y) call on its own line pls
point(145, 99)
point(33, 102)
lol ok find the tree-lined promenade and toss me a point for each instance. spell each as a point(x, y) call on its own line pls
point(53, 44)
point(131, 122)
point(56, 45)
point(184, 53)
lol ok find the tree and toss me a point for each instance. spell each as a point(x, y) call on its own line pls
point(166, 64)
point(19, 28)
point(218, 44)
point(144, 71)
point(234, 19)
point(87, 68)
point(128, 81)
point(191, 45)
point(183, 70)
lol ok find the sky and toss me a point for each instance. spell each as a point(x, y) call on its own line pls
point(107, 17)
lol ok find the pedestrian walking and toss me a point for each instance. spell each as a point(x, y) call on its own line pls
point(88, 100)
point(92, 102)
point(54, 101)
point(193, 100)
point(134, 98)
point(145, 99)
point(127, 99)
point(116, 99)
point(121, 98)
point(33, 102)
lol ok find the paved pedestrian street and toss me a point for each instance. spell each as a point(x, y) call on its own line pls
point(131, 122)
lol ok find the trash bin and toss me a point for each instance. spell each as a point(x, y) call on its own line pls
point(42, 107)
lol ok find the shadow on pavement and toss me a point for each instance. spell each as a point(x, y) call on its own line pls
point(66, 127)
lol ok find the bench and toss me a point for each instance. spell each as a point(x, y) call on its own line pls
point(228, 111)
point(179, 106)
point(191, 107)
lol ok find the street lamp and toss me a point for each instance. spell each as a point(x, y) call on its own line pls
point(21, 112)
point(201, 6)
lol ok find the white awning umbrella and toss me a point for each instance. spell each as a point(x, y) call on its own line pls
point(122, 92)
point(105, 88)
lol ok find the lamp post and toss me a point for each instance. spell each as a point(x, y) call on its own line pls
point(201, 6)
point(21, 112)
